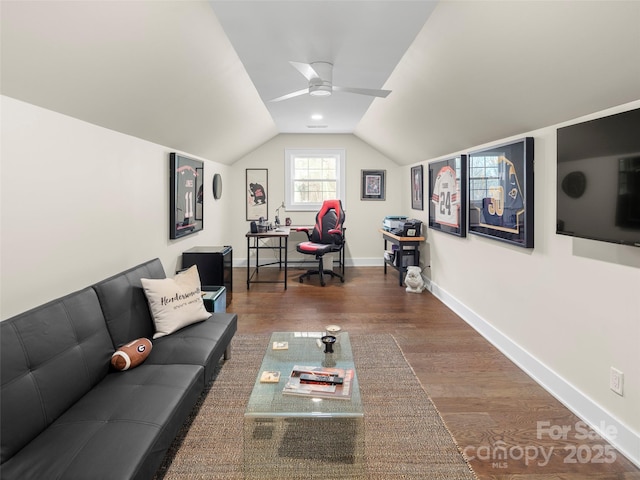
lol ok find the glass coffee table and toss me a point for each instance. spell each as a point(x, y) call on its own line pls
point(290, 432)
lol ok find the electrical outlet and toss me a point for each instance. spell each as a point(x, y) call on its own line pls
point(616, 380)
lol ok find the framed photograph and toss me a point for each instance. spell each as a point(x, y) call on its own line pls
point(186, 208)
point(257, 191)
point(417, 188)
point(501, 192)
point(448, 195)
point(373, 185)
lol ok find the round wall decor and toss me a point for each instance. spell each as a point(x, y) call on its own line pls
point(217, 186)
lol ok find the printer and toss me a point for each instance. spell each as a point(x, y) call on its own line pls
point(411, 228)
point(393, 222)
point(408, 228)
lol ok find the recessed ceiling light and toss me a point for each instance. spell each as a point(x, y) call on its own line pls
point(316, 116)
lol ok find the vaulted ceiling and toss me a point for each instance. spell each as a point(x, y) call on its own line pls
point(197, 76)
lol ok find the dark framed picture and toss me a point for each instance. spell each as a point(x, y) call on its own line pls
point(257, 180)
point(186, 207)
point(417, 188)
point(373, 185)
point(501, 192)
point(448, 195)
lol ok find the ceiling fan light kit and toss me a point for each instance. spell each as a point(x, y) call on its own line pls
point(319, 90)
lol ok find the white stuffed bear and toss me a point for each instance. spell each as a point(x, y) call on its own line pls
point(413, 280)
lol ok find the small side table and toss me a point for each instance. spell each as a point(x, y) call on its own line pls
point(403, 251)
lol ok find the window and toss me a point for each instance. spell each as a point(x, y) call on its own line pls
point(313, 176)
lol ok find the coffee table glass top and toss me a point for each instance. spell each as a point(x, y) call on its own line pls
point(267, 399)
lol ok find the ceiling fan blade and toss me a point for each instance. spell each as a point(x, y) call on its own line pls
point(363, 91)
point(306, 70)
point(290, 95)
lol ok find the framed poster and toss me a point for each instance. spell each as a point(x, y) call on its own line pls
point(256, 189)
point(501, 192)
point(417, 189)
point(373, 185)
point(186, 208)
point(448, 195)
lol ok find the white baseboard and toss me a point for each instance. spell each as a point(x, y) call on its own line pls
point(625, 440)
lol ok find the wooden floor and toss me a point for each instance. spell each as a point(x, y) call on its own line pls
point(490, 406)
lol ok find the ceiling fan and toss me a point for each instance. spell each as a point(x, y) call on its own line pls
point(320, 77)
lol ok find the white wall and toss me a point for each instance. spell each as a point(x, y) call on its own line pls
point(80, 203)
point(566, 311)
point(363, 218)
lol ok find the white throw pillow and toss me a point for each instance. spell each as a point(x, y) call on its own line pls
point(175, 302)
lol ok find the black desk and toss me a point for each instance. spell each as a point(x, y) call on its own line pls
point(402, 242)
point(280, 233)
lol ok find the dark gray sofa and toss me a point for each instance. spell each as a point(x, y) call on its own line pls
point(67, 415)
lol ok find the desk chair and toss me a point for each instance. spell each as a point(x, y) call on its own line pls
point(326, 237)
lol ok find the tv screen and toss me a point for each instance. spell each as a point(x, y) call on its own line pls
point(598, 182)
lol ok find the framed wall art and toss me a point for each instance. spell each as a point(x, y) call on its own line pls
point(417, 188)
point(500, 192)
point(186, 207)
point(257, 193)
point(373, 185)
point(448, 195)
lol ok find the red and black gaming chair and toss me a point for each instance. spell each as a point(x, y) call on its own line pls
point(326, 237)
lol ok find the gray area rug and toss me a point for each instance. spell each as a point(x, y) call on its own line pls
point(404, 436)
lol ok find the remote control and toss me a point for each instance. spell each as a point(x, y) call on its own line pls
point(326, 379)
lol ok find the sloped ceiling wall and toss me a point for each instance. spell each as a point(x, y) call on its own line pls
point(477, 72)
point(163, 71)
point(482, 71)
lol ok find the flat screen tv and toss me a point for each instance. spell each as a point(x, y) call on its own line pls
point(598, 184)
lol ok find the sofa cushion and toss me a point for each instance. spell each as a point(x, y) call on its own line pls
point(124, 304)
point(175, 302)
point(133, 416)
point(50, 357)
point(202, 344)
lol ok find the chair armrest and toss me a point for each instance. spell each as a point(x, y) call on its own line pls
point(335, 231)
point(306, 230)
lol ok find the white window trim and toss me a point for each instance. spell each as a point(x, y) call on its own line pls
point(290, 154)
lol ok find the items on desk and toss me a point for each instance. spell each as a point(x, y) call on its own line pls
point(411, 228)
point(261, 226)
point(278, 214)
point(392, 222)
point(402, 226)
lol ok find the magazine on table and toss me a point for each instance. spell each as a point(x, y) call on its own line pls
point(319, 382)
